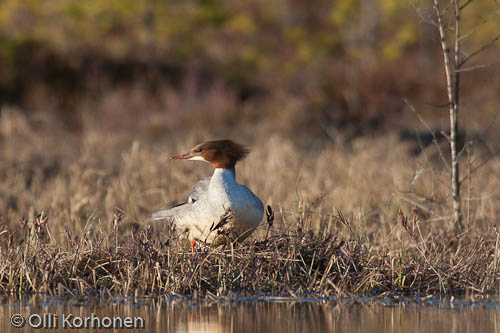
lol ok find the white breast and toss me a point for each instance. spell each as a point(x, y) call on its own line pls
point(225, 193)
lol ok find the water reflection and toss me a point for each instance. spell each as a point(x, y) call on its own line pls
point(258, 315)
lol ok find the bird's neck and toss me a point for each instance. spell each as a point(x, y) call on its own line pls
point(224, 175)
point(223, 182)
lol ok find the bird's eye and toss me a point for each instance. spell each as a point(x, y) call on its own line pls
point(198, 150)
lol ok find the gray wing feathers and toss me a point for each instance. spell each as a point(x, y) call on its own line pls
point(199, 190)
point(171, 213)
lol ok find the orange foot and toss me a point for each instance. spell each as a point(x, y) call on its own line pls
point(193, 243)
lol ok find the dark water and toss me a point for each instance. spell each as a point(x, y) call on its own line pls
point(251, 315)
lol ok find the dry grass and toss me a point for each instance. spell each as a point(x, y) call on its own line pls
point(296, 263)
point(97, 192)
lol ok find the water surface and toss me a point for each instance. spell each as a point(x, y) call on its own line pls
point(259, 314)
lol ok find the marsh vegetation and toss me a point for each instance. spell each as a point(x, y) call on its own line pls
point(348, 220)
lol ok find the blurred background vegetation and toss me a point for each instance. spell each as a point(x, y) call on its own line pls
point(341, 64)
point(81, 80)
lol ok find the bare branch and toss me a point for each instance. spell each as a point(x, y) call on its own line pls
point(473, 68)
point(446, 136)
point(465, 4)
point(434, 139)
point(492, 153)
point(445, 9)
point(429, 165)
point(481, 49)
point(464, 149)
point(477, 27)
point(486, 160)
point(491, 122)
point(424, 15)
point(437, 106)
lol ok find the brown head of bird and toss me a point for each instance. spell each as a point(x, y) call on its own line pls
point(220, 153)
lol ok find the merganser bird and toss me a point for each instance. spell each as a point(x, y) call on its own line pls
point(217, 200)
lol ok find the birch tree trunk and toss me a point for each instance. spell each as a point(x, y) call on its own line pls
point(453, 86)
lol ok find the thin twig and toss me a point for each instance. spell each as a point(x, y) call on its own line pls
point(434, 139)
point(476, 67)
point(490, 123)
point(466, 4)
point(478, 51)
point(477, 27)
point(494, 154)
